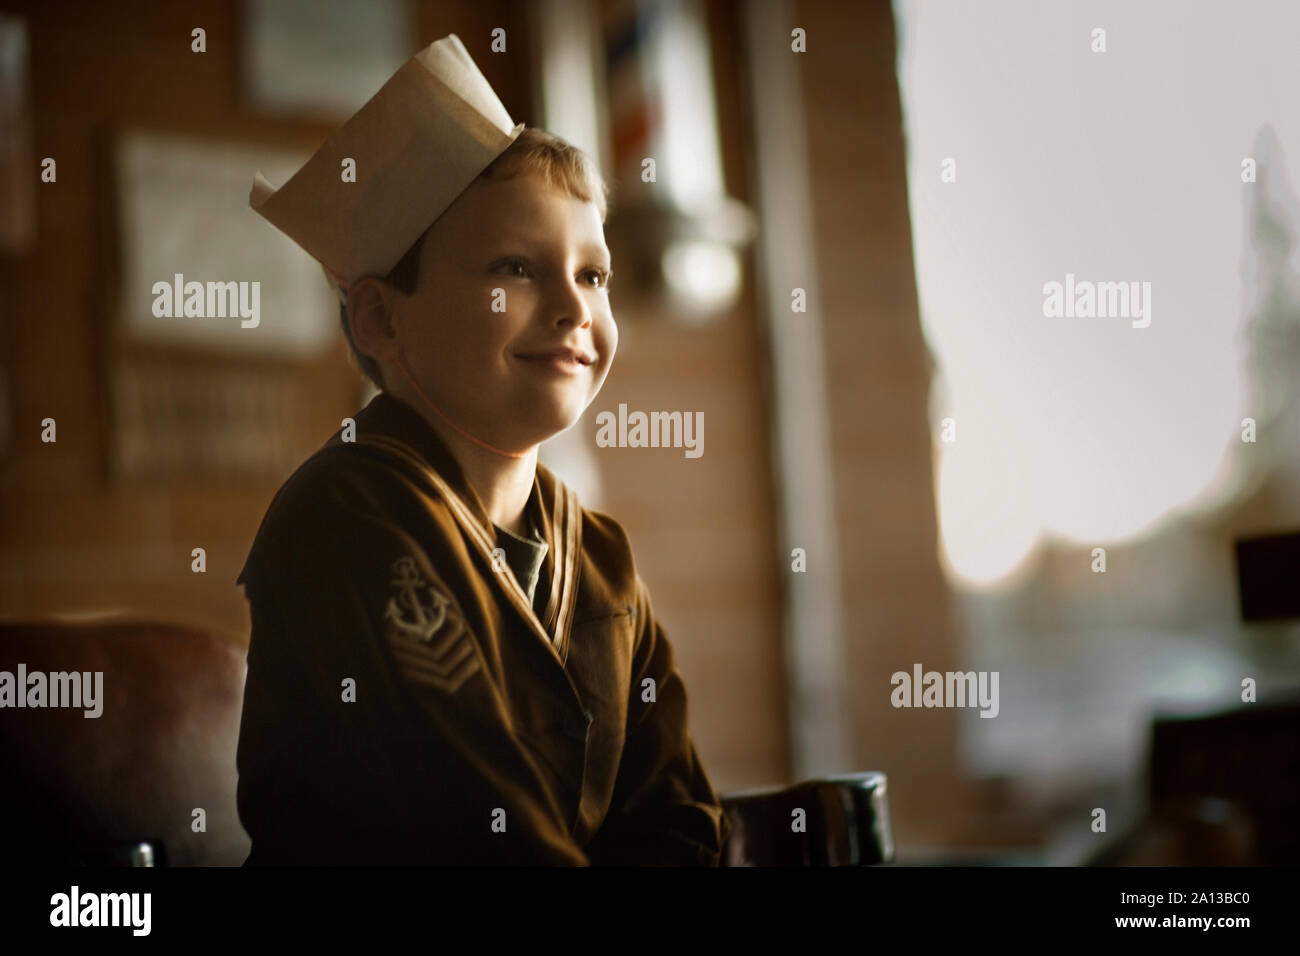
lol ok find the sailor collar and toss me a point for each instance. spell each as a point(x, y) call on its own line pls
point(391, 429)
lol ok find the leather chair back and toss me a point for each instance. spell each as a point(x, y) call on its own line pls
point(85, 789)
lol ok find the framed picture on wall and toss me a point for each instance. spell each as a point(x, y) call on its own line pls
point(186, 233)
point(215, 319)
point(321, 58)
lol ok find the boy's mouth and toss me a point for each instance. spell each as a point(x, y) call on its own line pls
point(566, 361)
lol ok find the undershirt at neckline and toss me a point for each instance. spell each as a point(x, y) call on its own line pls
point(525, 556)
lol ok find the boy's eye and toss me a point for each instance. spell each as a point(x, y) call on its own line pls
point(595, 278)
point(514, 267)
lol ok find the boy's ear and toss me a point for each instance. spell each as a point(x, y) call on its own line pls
point(370, 317)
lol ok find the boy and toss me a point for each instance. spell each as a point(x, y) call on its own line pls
point(451, 661)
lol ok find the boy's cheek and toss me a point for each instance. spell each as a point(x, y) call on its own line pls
point(607, 341)
point(598, 380)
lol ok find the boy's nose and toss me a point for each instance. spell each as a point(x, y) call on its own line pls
point(568, 306)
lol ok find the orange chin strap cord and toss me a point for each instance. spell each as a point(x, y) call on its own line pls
point(401, 361)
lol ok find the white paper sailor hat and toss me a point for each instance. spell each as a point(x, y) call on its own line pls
point(417, 144)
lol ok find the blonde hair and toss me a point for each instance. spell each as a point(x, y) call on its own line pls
point(564, 166)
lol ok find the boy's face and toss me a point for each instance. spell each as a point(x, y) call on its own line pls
point(480, 354)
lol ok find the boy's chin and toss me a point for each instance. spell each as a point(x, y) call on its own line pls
point(545, 419)
point(540, 425)
point(543, 427)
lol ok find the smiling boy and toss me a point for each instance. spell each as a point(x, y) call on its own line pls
point(451, 661)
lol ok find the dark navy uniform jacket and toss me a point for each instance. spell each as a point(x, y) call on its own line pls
point(406, 703)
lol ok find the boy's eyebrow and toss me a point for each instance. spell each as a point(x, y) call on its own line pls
point(600, 252)
point(590, 249)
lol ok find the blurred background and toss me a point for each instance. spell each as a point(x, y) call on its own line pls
point(840, 262)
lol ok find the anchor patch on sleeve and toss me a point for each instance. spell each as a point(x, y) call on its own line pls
point(428, 640)
point(416, 611)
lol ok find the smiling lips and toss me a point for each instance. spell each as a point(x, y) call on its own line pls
point(563, 360)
